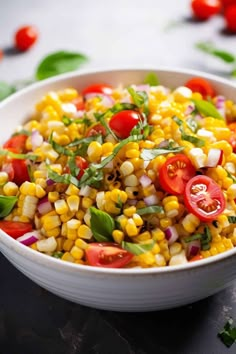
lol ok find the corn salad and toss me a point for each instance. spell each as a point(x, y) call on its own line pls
point(138, 176)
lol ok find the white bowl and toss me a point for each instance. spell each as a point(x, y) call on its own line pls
point(115, 289)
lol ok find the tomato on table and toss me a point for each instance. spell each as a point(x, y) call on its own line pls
point(15, 229)
point(230, 18)
point(16, 143)
point(98, 88)
point(175, 173)
point(25, 37)
point(96, 129)
point(107, 255)
point(123, 122)
point(204, 9)
point(204, 198)
point(198, 84)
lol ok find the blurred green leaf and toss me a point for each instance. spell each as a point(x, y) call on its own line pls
point(5, 90)
point(209, 48)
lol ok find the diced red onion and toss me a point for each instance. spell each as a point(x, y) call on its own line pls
point(151, 200)
point(171, 234)
point(29, 238)
point(193, 248)
point(44, 206)
point(190, 108)
point(214, 157)
point(145, 181)
point(145, 88)
point(49, 182)
point(163, 143)
point(220, 105)
point(36, 139)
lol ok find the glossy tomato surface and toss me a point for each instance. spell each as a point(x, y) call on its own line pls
point(198, 84)
point(107, 255)
point(96, 129)
point(98, 88)
point(15, 229)
point(16, 143)
point(82, 164)
point(25, 37)
point(123, 122)
point(175, 173)
point(204, 9)
point(230, 18)
point(204, 198)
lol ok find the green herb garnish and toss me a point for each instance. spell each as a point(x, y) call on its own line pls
point(209, 48)
point(232, 219)
point(6, 205)
point(207, 109)
point(102, 225)
point(228, 334)
point(137, 248)
point(5, 90)
point(66, 178)
point(192, 139)
point(57, 254)
point(204, 238)
point(151, 79)
point(150, 154)
point(14, 155)
point(150, 210)
point(140, 98)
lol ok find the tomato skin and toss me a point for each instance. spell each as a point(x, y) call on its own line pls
point(79, 103)
point(198, 84)
point(16, 143)
point(175, 173)
point(204, 198)
point(226, 3)
point(230, 18)
point(232, 141)
point(204, 9)
point(198, 257)
point(25, 37)
point(123, 122)
point(82, 164)
point(107, 255)
point(15, 229)
point(98, 88)
point(96, 129)
point(20, 169)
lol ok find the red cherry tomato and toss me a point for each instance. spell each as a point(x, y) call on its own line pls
point(204, 9)
point(15, 229)
point(1, 54)
point(198, 257)
point(79, 103)
point(96, 129)
point(16, 142)
point(82, 164)
point(123, 122)
point(198, 84)
point(204, 198)
point(25, 37)
point(98, 88)
point(226, 3)
point(107, 255)
point(175, 173)
point(230, 18)
point(17, 171)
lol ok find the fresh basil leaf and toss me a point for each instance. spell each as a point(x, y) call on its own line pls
point(18, 156)
point(5, 90)
point(150, 154)
point(150, 210)
point(151, 79)
point(140, 98)
point(193, 238)
point(137, 248)
point(102, 225)
point(209, 48)
point(58, 63)
point(192, 139)
point(86, 141)
point(192, 124)
point(232, 219)
point(91, 177)
point(57, 254)
point(59, 149)
point(6, 205)
point(207, 109)
point(66, 178)
point(228, 334)
point(68, 121)
point(74, 170)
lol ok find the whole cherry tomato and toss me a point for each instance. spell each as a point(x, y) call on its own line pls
point(230, 18)
point(25, 37)
point(204, 9)
point(226, 3)
point(198, 84)
point(204, 198)
point(98, 88)
point(107, 255)
point(123, 122)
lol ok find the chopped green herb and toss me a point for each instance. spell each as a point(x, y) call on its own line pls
point(58, 148)
point(151, 79)
point(228, 334)
point(140, 98)
point(207, 109)
point(66, 178)
point(192, 124)
point(68, 121)
point(232, 219)
point(204, 238)
point(209, 48)
point(150, 154)
point(230, 176)
point(150, 210)
point(6, 205)
point(102, 225)
point(137, 248)
point(57, 254)
point(193, 238)
point(22, 132)
point(192, 139)
point(18, 156)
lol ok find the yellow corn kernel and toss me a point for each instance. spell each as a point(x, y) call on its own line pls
point(160, 260)
point(156, 249)
point(39, 191)
point(68, 257)
point(137, 219)
point(131, 228)
point(72, 190)
point(118, 236)
point(231, 191)
point(107, 148)
point(144, 236)
point(147, 258)
point(28, 188)
point(165, 222)
point(157, 234)
point(67, 216)
point(34, 246)
point(80, 215)
point(71, 234)
point(52, 99)
point(190, 222)
point(213, 251)
point(137, 163)
point(60, 242)
point(94, 151)
point(10, 189)
point(61, 206)
point(122, 220)
point(132, 153)
point(223, 221)
point(3, 177)
point(81, 244)
point(53, 232)
point(68, 244)
point(86, 202)
point(87, 218)
point(206, 254)
point(67, 94)
point(84, 232)
point(24, 218)
point(126, 168)
point(129, 211)
point(73, 224)
point(40, 174)
point(73, 202)
point(53, 196)
point(50, 222)
point(227, 182)
point(76, 252)
point(175, 248)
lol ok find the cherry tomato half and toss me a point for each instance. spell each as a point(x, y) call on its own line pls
point(123, 122)
point(15, 229)
point(17, 171)
point(82, 164)
point(25, 37)
point(98, 88)
point(108, 255)
point(204, 198)
point(230, 18)
point(198, 84)
point(175, 173)
point(198, 257)
point(96, 129)
point(16, 142)
point(79, 103)
point(204, 9)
